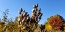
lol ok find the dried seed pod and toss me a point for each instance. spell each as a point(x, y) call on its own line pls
point(20, 11)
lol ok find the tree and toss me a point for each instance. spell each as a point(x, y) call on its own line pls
point(55, 21)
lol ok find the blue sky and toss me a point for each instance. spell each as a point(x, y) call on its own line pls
point(48, 7)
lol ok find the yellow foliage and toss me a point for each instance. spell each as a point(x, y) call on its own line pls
point(48, 26)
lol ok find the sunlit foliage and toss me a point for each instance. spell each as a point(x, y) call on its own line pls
point(48, 26)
